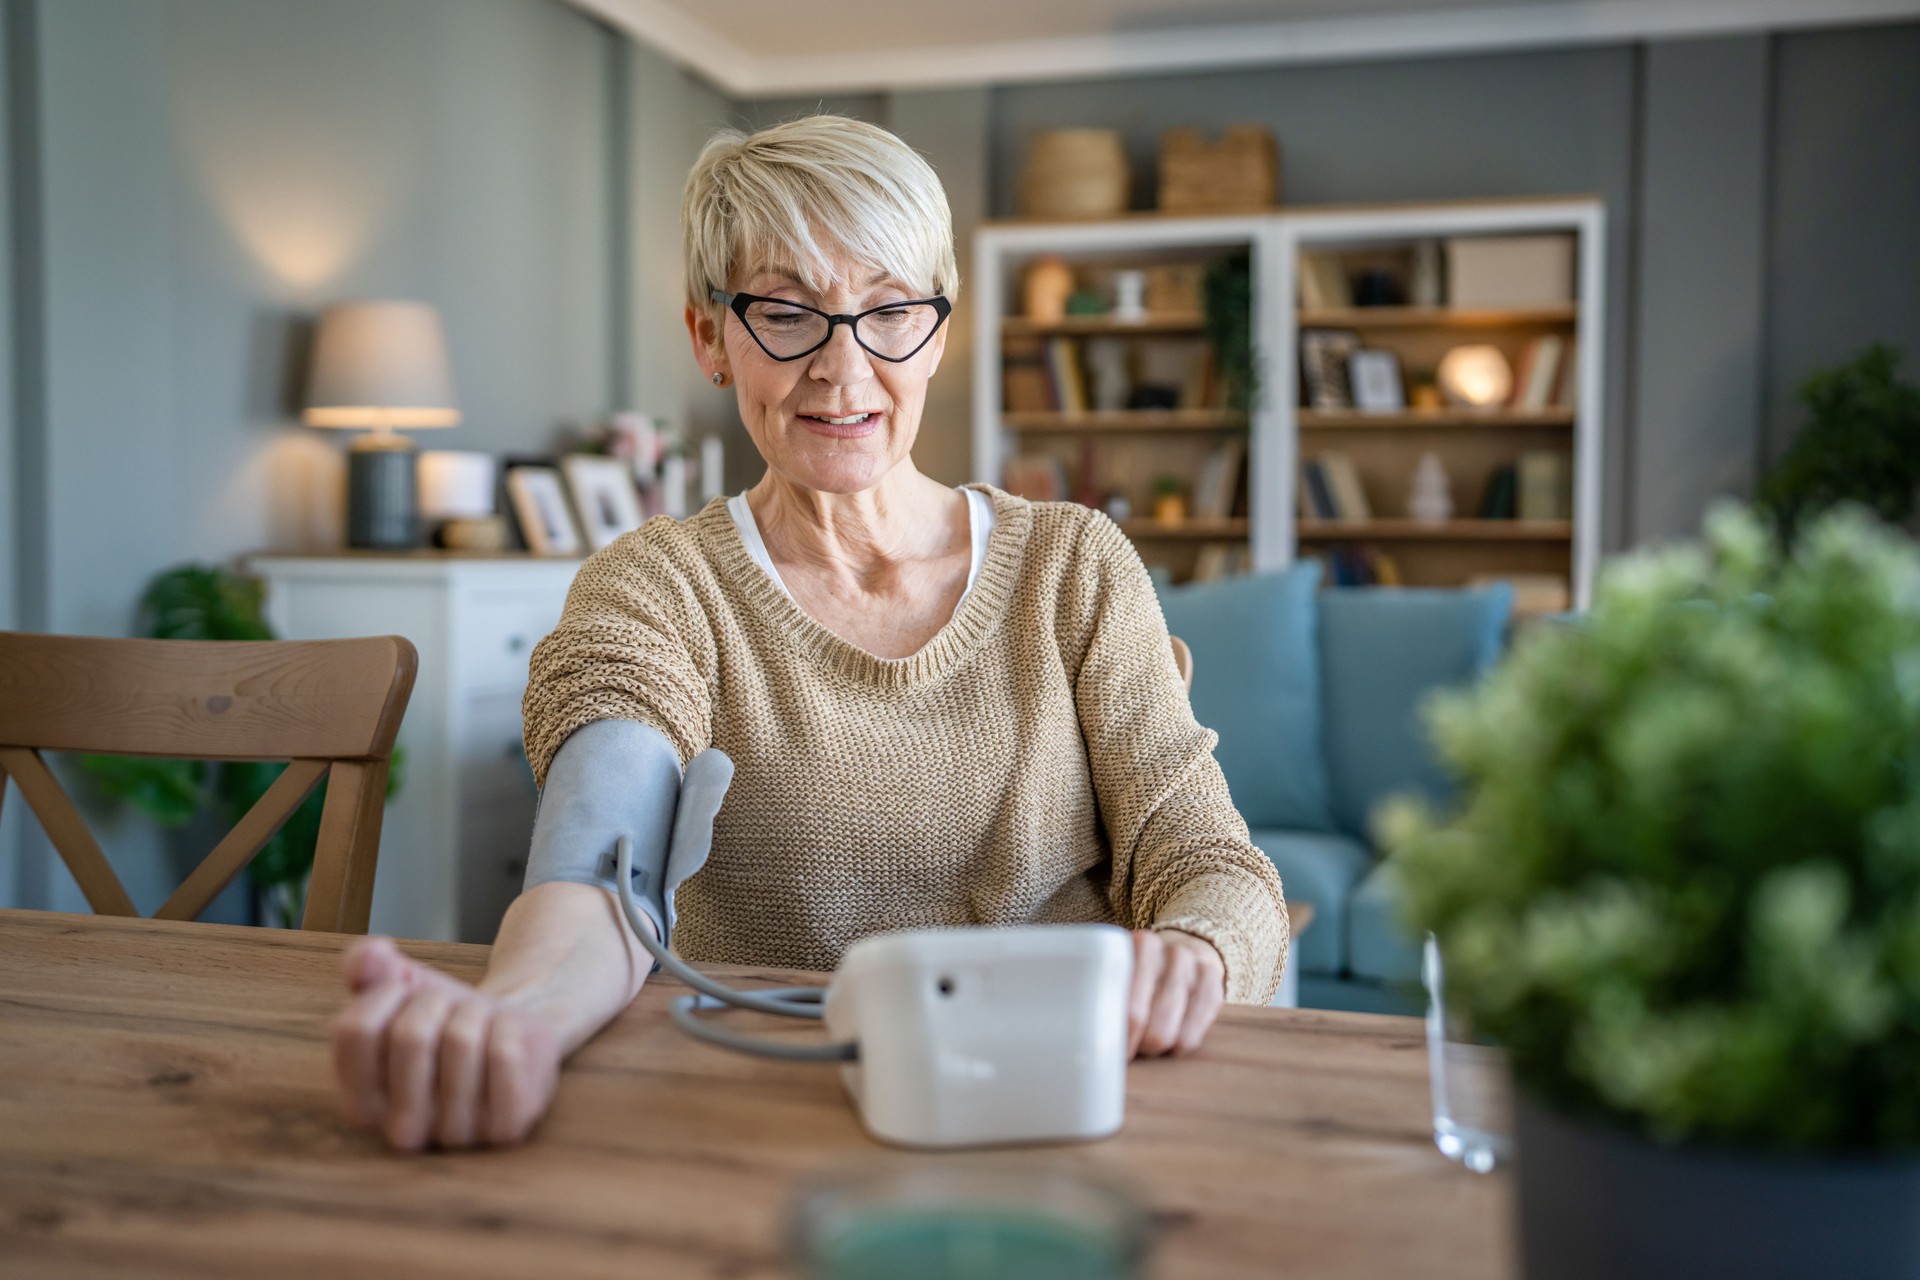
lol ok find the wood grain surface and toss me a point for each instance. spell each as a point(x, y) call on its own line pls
point(166, 1109)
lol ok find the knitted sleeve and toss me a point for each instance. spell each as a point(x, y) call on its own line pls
point(1182, 858)
point(625, 649)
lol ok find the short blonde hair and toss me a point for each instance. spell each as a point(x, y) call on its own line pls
point(789, 194)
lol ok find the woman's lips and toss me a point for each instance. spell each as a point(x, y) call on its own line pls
point(841, 431)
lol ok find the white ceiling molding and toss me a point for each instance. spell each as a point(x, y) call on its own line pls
point(675, 29)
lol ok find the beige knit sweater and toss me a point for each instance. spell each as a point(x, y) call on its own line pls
point(1037, 761)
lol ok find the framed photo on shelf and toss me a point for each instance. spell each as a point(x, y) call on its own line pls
point(1374, 379)
point(1323, 366)
point(604, 495)
point(539, 500)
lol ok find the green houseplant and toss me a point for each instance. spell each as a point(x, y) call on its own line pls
point(1682, 888)
point(199, 602)
point(1860, 443)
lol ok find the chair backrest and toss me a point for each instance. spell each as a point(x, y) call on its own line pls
point(1183, 659)
point(331, 708)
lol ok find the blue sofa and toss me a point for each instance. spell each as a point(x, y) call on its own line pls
point(1315, 695)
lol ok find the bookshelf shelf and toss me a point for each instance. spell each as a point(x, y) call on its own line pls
point(1448, 531)
point(1448, 419)
point(1195, 528)
point(1483, 456)
point(1125, 420)
point(1437, 317)
point(1163, 322)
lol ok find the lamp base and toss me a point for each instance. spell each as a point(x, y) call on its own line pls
point(383, 512)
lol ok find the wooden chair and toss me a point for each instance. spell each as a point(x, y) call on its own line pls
point(329, 707)
point(1183, 659)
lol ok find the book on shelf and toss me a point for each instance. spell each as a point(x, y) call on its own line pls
point(1214, 496)
point(1024, 384)
point(1213, 560)
point(1034, 477)
point(1323, 282)
point(1536, 384)
point(1497, 501)
point(1065, 380)
point(1316, 494)
point(1356, 566)
point(1349, 495)
point(1544, 486)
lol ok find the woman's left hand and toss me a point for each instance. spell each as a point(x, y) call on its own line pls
point(1179, 984)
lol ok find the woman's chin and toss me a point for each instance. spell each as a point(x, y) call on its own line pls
point(840, 470)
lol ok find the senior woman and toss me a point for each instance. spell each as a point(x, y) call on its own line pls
point(944, 706)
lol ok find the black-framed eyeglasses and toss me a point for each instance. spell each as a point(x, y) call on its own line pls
point(786, 330)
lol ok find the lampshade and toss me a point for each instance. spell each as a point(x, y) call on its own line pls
point(381, 364)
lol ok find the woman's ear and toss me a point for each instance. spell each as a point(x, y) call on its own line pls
point(707, 346)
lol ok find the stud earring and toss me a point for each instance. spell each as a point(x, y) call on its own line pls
point(719, 378)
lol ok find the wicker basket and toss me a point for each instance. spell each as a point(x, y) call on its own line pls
point(1239, 173)
point(1075, 173)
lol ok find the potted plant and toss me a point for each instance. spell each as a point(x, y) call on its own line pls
point(195, 602)
point(1681, 887)
point(1860, 443)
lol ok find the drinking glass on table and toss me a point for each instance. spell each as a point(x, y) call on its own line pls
point(1471, 1121)
point(943, 1221)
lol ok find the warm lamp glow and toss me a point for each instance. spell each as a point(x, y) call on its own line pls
point(1478, 376)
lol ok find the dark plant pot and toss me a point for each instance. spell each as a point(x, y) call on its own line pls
point(1601, 1203)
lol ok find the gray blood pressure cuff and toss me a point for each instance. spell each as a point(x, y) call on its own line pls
point(615, 778)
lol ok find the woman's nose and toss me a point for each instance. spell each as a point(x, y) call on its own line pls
point(842, 360)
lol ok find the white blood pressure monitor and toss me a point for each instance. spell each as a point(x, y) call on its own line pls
point(970, 1037)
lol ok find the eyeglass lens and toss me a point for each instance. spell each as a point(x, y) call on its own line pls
point(895, 332)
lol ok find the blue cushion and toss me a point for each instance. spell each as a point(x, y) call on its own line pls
point(1322, 869)
point(1379, 946)
point(1256, 682)
point(1381, 652)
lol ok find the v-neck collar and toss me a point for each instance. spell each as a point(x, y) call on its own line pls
point(978, 613)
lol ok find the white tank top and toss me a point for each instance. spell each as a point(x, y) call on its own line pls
point(979, 521)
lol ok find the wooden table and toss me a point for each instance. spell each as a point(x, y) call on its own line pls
point(166, 1108)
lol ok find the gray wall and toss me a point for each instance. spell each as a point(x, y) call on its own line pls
point(209, 174)
point(1843, 251)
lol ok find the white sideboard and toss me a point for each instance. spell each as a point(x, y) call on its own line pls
point(454, 845)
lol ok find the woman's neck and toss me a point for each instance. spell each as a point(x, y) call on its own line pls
point(867, 536)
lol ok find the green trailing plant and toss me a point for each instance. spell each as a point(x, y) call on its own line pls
point(1860, 443)
point(197, 602)
point(1228, 292)
point(1681, 883)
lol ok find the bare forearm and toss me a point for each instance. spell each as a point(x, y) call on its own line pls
point(565, 954)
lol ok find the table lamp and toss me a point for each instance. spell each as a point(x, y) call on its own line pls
point(382, 366)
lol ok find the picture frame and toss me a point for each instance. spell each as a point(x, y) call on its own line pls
point(604, 496)
point(539, 499)
point(1373, 378)
point(1323, 366)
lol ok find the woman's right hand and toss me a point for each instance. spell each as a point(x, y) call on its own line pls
point(426, 1058)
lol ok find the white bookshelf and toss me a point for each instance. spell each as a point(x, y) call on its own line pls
point(1274, 427)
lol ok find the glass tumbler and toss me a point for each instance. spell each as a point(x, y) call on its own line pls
point(967, 1222)
point(1471, 1121)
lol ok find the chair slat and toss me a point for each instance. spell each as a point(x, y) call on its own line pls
point(68, 831)
point(295, 783)
point(340, 895)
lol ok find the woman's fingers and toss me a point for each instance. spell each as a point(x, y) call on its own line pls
point(461, 1082)
point(1203, 1006)
point(413, 1044)
point(1149, 954)
point(359, 1035)
point(1162, 1031)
